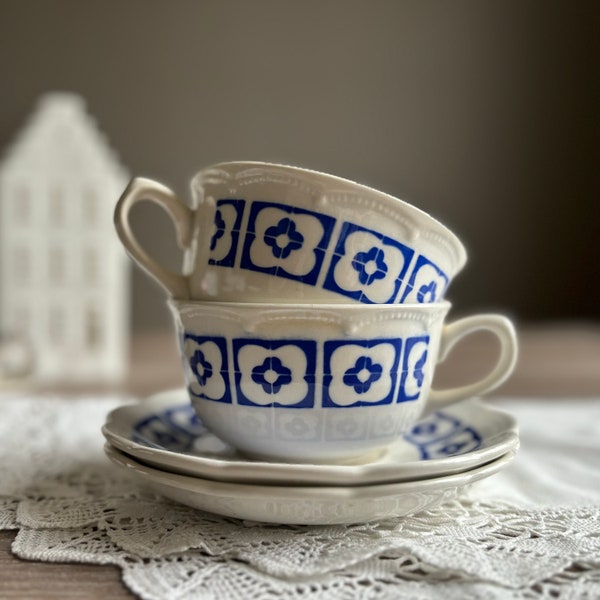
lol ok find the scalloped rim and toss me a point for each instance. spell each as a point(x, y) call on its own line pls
point(237, 469)
point(237, 174)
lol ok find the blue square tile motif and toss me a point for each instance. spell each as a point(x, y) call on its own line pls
point(286, 241)
point(173, 429)
point(441, 435)
point(414, 366)
point(226, 232)
point(157, 431)
point(427, 282)
point(275, 373)
point(207, 367)
point(433, 428)
point(184, 418)
point(463, 441)
point(367, 266)
point(360, 372)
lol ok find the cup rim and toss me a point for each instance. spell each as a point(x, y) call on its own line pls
point(440, 229)
point(316, 306)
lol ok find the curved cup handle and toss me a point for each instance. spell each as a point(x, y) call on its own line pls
point(140, 190)
point(504, 330)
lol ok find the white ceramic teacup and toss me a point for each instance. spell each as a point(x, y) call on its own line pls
point(323, 383)
point(263, 232)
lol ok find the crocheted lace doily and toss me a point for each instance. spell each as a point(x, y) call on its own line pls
point(530, 532)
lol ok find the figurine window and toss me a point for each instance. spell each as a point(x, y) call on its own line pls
point(57, 205)
point(21, 265)
point(21, 319)
point(57, 265)
point(56, 325)
point(90, 266)
point(90, 207)
point(22, 205)
point(93, 328)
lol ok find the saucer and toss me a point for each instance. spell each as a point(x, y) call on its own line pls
point(164, 432)
point(307, 505)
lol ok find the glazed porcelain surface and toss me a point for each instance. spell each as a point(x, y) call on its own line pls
point(307, 505)
point(323, 383)
point(163, 431)
point(260, 231)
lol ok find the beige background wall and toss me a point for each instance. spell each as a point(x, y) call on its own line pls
point(483, 113)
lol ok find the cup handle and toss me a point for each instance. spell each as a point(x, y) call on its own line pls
point(140, 190)
point(503, 329)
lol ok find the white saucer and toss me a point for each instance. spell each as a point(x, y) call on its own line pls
point(307, 505)
point(163, 431)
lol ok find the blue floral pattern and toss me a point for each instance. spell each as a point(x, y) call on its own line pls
point(427, 282)
point(362, 375)
point(427, 293)
point(275, 372)
point(286, 241)
point(206, 367)
point(441, 434)
point(414, 365)
point(220, 226)
point(367, 266)
point(226, 231)
point(178, 429)
point(201, 368)
point(370, 265)
point(272, 375)
point(314, 248)
point(356, 372)
point(360, 372)
point(418, 373)
point(283, 238)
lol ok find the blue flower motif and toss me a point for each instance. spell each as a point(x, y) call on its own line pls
point(272, 375)
point(362, 375)
point(201, 368)
point(425, 429)
point(427, 293)
point(453, 448)
point(370, 265)
point(219, 231)
point(283, 238)
point(418, 373)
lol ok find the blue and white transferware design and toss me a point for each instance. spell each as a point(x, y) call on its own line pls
point(322, 381)
point(178, 429)
point(284, 373)
point(259, 232)
point(166, 432)
point(319, 250)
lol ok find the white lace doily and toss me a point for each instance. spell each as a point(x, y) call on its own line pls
point(531, 531)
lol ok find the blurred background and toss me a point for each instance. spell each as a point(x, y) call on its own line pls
point(484, 114)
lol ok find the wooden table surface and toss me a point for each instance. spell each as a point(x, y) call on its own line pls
point(557, 361)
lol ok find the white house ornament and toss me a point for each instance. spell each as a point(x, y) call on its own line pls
point(64, 281)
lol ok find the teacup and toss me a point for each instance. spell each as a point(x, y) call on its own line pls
point(259, 231)
point(323, 383)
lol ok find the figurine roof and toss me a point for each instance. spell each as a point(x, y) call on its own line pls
point(63, 137)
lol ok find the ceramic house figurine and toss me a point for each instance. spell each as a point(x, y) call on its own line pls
point(64, 280)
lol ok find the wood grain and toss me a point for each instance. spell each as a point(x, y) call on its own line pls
point(22, 579)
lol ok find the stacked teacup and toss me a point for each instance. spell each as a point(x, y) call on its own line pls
point(310, 310)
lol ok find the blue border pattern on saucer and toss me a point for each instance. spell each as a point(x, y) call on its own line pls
point(177, 428)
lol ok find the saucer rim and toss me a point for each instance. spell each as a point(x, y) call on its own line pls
point(237, 470)
point(263, 502)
